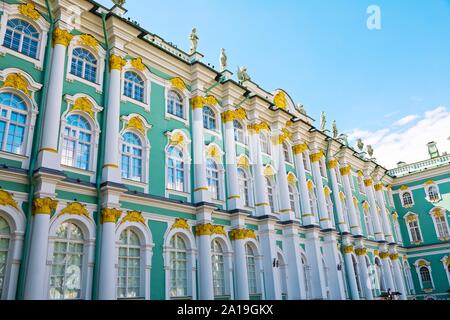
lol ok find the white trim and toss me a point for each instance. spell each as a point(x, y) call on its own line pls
point(185, 95)
point(409, 229)
point(146, 77)
point(446, 267)
point(433, 217)
point(185, 147)
point(428, 266)
point(228, 262)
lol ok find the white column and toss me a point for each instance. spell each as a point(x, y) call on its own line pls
point(107, 280)
point(269, 252)
point(203, 233)
point(332, 165)
point(35, 280)
point(379, 235)
point(398, 275)
point(387, 229)
point(331, 257)
point(48, 154)
point(389, 280)
point(286, 212)
point(111, 171)
point(348, 251)
point(201, 190)
point(353, 216)
point(295, 283)
point(240, 270)
point(261, 198)
point(364, 273)
point(308, 217)
point(234, 200)
point(312, 246)
point(325, 220)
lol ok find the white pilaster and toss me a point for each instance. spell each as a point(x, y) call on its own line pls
point(366, 283)
point(234, 200)
point(268, 247)
point(351, 277)
point(343, 226)
point(387, 273)
point(331, 257)
point(355, 225)
point(295, 285)
point(325, 220)
point(398, 276)
point(379, 235)
point(387, 229)
point(313, 253)
point(240, 270)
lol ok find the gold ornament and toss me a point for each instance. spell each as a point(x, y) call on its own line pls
point(177, 139)
point(134, 216)
point(411, 218)
point(75, 208)
point(116, 62)
point(231, 115)
point(404, 188)
point(376, 253)
point(258, 127)
point(285, 135)
point(422, 263)
point(327, 191)
point(219, 230)
point(268, 171)
point(181, 224)
point(242, 234)
point(110, 215)
point(89, 41)
point(211, 100)
point(315, 157)
point(361, 251)
point(213, 152)
point(384, 255)
point(429, 182)
point(280, 100)
point(348, 249)
point(394, 256)
point(204, 230)
point(178, 83)
point(29, 10)
point(332, 164)
point(300, 148)
point(291, 178)
point(368, 182)
point(61, 36)
point(6, 199)
point(346, 170)
point(44, 205)
point(310, 185)
point(243, 162)
point(198, 102)
point(83, 104)
point(342, 196)
point(360, 173)
point(136, 123)
point(16, 81)
point(138, 64)
point(378, 187)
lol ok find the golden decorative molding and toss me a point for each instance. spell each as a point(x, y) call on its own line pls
point(429, 182)
point(332, 164)
point(345, 171)
point(16, 81)
point(243, 162)
point(376, 253)
point(423, 263)
point(181, 224)
point(133, 216)
point(327, 191)
point(268, 171)
point(404, 188)
point(178, 83)
point(447, 262)
point(348, 249)
point(342, 196)
point(213, 152)
point(219, 230)
point(44, 206)
point(360, 173)
point(438, 212)
point(300, 148)
point(211, 100)
point(280, 100)
point(355, 201)
point(395, 215)
point(411, 218)
point(83, 104)
point(242, 234)
point(291, 178)
point(177, 139)
point(315, 157)
point(366, 205)
point(231, 115)
point(283, 136)
point(310, 185)
point(110, 215)
point(378, 187)
point(138, 64)
point(136, 123)
point(384, 255)
point(29, 10)
point(61, 36)
point(394, 256)
point(258, 127)
point(116, 62)
point(361, 251)
point(204, 229)
point(89, 41)
point(198, 102)
point(75, 208)
point(6, 199)
point(368, 182)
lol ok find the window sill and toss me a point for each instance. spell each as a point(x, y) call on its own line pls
point(169, 116)
point(144, 105)
point(135, 183)
point(97, 86)
point(91, 174)
point(178, 193)
point(12, 156)
point(38, 64)
point(217, 134)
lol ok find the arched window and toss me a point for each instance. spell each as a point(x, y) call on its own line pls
point(292, 198)
point(251, 270)
point(129, 274)
point(84, 65)
point(77, 141)
point(358, 281)
point(414, 229)
point(13, 121)
point(407, 199)
point(312, 201)
point(65, 278)
point(306, 277)
point(425, 276)
point(209, 118)
point(368, 221)
point(175, 167)
point(132, 157)
point(433, 193)
point(238, 132)
point(22, 37)
point(178, 267)
point(212, 175)
point(5, 236)
point(441, 226)
point(380, 277)
point(134, 86)
point(244, 187)
point(218, 268)
point(306, 163)
point(175, 104)
point(287, 154)
point(265, 145)
point(270, 194)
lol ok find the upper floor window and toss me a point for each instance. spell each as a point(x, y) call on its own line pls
point(414, 228)
point(13, 122)
point(218, 268)
point(84, 65)
point(128, 280)
point(209, 119)
point(132, 155)
point(265, 143)
point(178, 267)
point(287, 154)
point(251, 270)
point(175, 168)
point(175, 104)
point(407, 199)
point(77, 141)
point(22, 37)
point(134, 86)
point(239, 135)
point(244, 187)
point(440, 223)
point(270, 194)
point(212, 175)
point(433, 194)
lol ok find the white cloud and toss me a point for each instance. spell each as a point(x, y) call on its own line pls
point(408, 119)
point(408, 144)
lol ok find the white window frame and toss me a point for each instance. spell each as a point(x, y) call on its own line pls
point(185, 95)
point(433, 217)
point(296, 195)
point(221, 177)
point(427, 195)
point(145, 76)
point(402, 200)
point(428, 266)
point(269, 144)
point(258, 267)
point(272, 181)
point(218, 131)
point(244, 134)
point(228, 264)
point(290, 159)
point(251, 200)
point(408, 227)
point(446, 266)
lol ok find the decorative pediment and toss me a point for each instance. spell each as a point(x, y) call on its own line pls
point(181, 224)
point(136, 122)
point(6, 199)
point(110, 215)
point(214, 152)
point(243, 162)
point(177, 139)
point(268, 171)
point(310, 185)
point(280, 100)
point(29, 10)
point(83, 104)
point(75, 208)
point(291, 178)
point(138, 64)
point(88, 40)
point(16, 81)
point(178, 83)
point(133, 216)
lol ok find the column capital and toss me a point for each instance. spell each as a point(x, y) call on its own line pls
point(394, 256)
point(242, 234)
point(361, 251)
point(368, 182)
point(204, 229)
point(231, 115)
point(300, 148)
point(61, 36)
point(378, 187)
point(110, 215)
point(348, 249)
point(117, 62)
point(44, 206)
point(384, 255)
point(332, 164)
point(345, 171)
point(315, 157)
point(258, 127)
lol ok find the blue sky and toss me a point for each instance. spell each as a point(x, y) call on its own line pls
point(324, 56)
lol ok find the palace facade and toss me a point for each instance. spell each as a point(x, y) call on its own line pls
point(130, 169)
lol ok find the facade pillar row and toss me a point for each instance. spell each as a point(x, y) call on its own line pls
point(314, 256)
point(49, 156)
point(295, 273)
point(206, 288)
point(350, 269)
point(332, 166)
point(308, 217)
point(379, 235)
point(398, 275)
point(261, 198)
point(387, 273)
point(325, 219)
point(269, 252)
point(331, 257)
point(384, 217)
point(366, 282)
point(353, 217)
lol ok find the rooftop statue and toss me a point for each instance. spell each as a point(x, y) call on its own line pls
point(335, 130)
point(242, 74)
point(360, 145)
point(300, 108)
point(323, 121)
point(194, 40)
point(223, 60)
point(119, 3)
point(370, 151)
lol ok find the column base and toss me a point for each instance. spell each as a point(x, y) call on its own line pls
point(202, 195)
point(111, 173)
point(356, 231)
point(287, 215)
point(234, 203)
point(49, 158)
point(263, 210)
point(379, 237)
